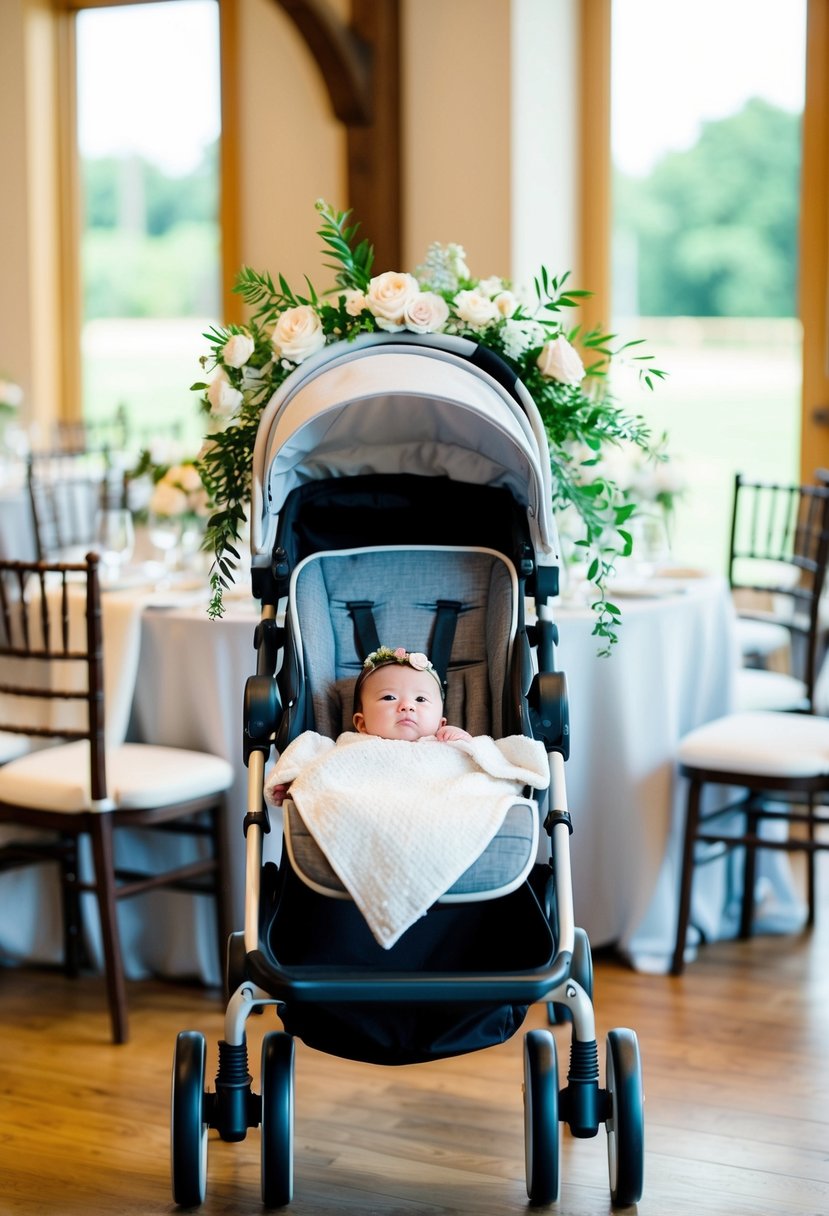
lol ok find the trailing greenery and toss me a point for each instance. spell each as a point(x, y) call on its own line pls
point(563, 367)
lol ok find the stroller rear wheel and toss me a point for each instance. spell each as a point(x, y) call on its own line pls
point(625, 1125)
point(541, 1127)
point(188, 1135)
point(277, 1119)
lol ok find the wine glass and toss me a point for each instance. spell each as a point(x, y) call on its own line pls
point(115, 539)
point(164, 532)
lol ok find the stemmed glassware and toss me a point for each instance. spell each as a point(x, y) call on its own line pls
point(115, 539)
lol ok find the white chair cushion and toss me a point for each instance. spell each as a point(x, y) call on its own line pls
point(759, 689)
point(12, 746)
point(762, 638)
point(762, 743)
point(139, 776)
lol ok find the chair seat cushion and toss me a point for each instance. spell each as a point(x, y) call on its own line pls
point(139, 776)
point(12, 746)
point(759, 689)
point(761, 638)
point(764, 744)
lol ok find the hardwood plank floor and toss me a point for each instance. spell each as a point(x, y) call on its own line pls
point(736, 1068)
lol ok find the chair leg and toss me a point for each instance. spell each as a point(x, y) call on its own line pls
point(811, 859)
point(687, 876)
point(749, 875)
point(224, 920)
point(74, 954)
point(103, 854)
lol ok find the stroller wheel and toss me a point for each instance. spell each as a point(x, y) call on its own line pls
point(541, 1127)
point(188, 1129)
point(581, 970)
point(626, 1123)
point(277, 1119)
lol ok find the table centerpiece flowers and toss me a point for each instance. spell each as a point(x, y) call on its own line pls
point(563, 367)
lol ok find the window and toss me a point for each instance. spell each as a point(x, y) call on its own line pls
point(706, 149)
point(148, 128)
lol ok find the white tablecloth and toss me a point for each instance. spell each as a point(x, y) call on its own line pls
point(671, 670)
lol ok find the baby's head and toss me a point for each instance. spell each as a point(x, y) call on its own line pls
point(398, 695)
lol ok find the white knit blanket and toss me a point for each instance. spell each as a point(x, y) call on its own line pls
point(400, 821)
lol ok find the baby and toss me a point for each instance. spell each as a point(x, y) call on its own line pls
point(398, 695)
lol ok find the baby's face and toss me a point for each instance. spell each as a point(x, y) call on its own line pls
point(400, 703)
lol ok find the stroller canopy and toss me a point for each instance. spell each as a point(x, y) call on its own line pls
point(394, 403)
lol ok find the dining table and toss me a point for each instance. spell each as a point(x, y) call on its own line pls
point(672, 669)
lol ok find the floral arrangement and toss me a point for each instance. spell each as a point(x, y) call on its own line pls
point(248, 363)
point(177, 490)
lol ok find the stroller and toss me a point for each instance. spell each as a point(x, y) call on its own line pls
point(401, 491)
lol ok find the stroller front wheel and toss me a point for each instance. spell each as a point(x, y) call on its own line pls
point(277, 1119)
point(625, 1124)
point(188, 1128)
point(541, 1126)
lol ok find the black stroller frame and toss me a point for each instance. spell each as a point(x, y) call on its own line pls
point(335, 1003)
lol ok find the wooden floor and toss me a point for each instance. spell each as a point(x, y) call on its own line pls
point(736, 1067)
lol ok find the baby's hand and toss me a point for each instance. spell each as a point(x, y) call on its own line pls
point(445, 734)
point(276, 794)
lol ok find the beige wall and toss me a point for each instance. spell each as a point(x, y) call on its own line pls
point(488, 161)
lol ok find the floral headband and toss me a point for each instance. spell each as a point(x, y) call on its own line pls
point(383, 656)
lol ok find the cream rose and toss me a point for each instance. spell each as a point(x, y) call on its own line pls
point(559, 361)
point(223, 397)
point(475, 309)
point(355, 301)
point(298, 334)
point(506, 303)
point(167, 499)
point(388, 296)
point(184, 476)
point(427, 313)
point(237, 350)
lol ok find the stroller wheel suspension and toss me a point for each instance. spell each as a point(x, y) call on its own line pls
point(277, 1119)
point(188, 1146)
point(625, 1121)
point(541, 1126)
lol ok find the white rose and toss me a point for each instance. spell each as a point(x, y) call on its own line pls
point(506, 303)
point(355, 301)
point(427, 313)
point(223, 397)
point(559, 361)
point(492, 286)
point(388, 296)
point(166, 499)
point(237, 350)
point(298, 334)
point(475, 309)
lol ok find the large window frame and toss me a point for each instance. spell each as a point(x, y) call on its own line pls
point(68, 271)
point(595, 195)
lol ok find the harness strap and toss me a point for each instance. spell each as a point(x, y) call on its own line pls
point(443, 635)
point(365, 630)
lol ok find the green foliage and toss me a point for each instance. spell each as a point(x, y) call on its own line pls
point(133, 275)
point(715, 227)
point(573, 400)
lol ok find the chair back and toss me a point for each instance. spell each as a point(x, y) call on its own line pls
point(66, 491)
point(51, 646)
point(779, 547)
